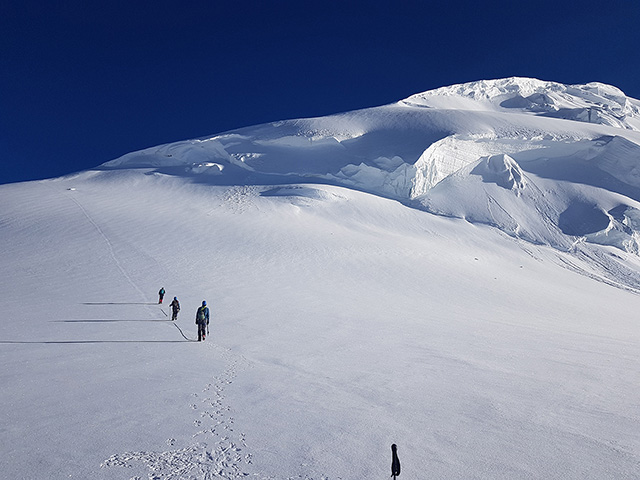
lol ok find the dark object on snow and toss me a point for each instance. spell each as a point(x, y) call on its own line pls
point(161, 294)
point(175, 307)
point(395, 462)
point(202, 320)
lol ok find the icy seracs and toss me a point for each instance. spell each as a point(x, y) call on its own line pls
point(565, 144)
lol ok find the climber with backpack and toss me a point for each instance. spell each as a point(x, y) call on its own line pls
point(202, 320)
point(175, 308)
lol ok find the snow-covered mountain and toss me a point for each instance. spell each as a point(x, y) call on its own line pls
point(456, 273)
point(542, 161)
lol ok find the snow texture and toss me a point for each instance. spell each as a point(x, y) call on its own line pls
point(456, 273)
point(581, 142)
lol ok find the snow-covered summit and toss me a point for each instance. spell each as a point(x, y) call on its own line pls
point(593, 103)
point(562, 144)
point(342, 322)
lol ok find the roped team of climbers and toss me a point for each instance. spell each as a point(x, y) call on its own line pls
point(202, 314)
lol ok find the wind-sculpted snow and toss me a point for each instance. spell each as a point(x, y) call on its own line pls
point(341, 322)
point(621, 230)
point(501, 170)
point(570, 144)
point(592, 103)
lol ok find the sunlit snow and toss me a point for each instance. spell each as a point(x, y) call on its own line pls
point(456, 273)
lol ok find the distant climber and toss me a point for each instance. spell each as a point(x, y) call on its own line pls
point(161, 294)
point(202, 320)
point(175, 308)
point(395, 461)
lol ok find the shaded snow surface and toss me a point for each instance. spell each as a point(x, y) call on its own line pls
point(496, 340)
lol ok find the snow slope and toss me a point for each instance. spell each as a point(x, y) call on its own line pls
point(580, 142)
point(497, 340)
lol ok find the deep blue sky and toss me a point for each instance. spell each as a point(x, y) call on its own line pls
point(83, 82)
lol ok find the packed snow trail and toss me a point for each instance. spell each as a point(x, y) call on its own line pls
point(109, 246)
point(483, 352)
point(220, 450)
point(73, 198)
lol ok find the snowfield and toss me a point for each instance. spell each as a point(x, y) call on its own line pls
point(457, 273)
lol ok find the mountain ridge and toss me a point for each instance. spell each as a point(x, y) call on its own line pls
point(581, 142)
point(482, 320)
